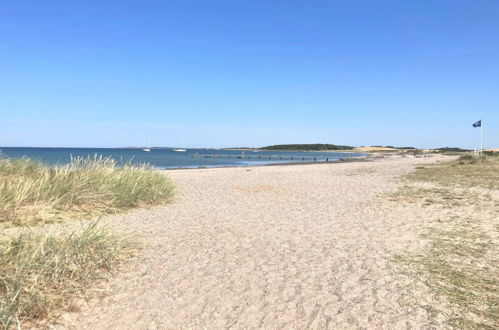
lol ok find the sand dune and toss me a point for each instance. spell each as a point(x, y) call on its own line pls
point(297, 247)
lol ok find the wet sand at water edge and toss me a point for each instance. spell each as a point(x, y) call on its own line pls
point(297, 247)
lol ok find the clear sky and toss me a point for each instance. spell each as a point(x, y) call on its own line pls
point(248, 73)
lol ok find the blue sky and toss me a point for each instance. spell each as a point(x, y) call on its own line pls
point(249, 73)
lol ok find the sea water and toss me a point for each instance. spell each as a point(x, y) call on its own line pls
point(163, 158)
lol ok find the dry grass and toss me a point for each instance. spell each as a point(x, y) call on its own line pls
point(460, 264)
point(468, 171)
point(41, 275)
point(31, 193)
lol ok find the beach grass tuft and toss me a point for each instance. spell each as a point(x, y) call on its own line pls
point(33, 193)
point(42, 275)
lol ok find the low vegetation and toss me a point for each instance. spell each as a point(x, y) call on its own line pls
point(42, 275)
point(32, 193)
point(307, 147)
point(468, 171)
point(460, 263)
point(451, 150)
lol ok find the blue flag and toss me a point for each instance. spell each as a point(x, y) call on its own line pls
point(478, 124)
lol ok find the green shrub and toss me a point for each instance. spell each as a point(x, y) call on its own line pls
point(471, 159)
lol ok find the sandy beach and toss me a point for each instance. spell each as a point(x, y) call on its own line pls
point(305, 246)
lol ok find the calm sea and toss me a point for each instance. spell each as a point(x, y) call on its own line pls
point(167, 158)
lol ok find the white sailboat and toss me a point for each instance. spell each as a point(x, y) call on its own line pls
point(148, 148)
point(180, 149)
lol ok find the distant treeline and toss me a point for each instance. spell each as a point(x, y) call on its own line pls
point(307, 147)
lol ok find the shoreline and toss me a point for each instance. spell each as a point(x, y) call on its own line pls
point(339, 161)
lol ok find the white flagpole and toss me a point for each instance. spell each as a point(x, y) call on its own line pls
point(481, 137)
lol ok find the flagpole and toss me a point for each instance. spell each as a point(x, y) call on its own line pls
point(481, 137)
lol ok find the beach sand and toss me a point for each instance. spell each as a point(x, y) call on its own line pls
point(305, 246)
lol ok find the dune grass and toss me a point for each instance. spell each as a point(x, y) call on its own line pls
point(32, 193)
point(41, 275)
point(460, 263)
point(467, 171)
